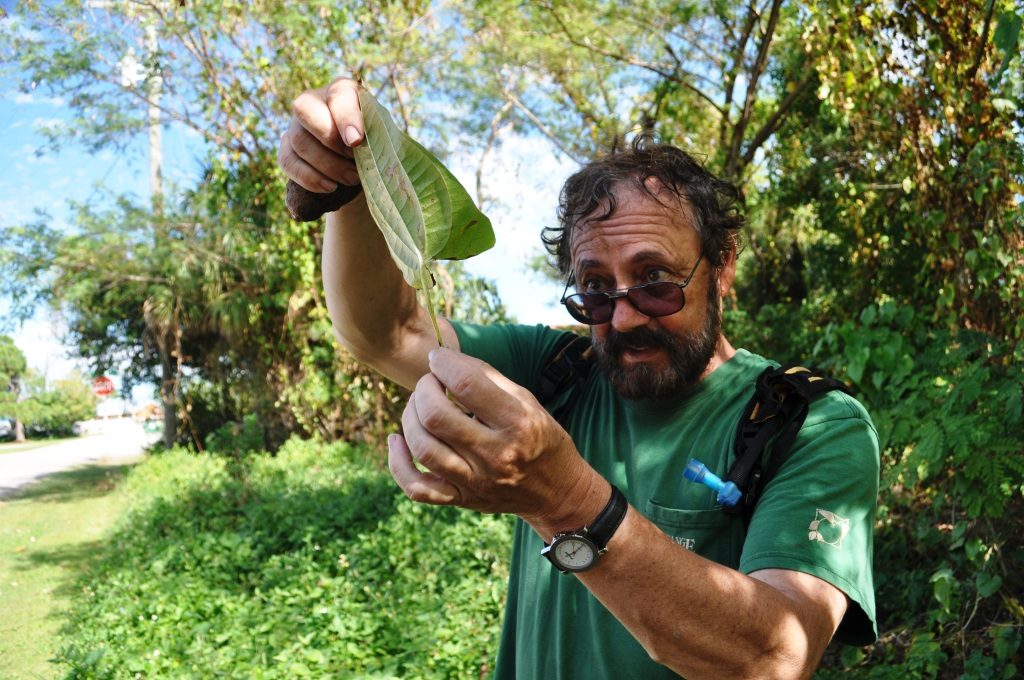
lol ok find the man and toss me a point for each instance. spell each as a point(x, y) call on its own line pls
point(680, 589)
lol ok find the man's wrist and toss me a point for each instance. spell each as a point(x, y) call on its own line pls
point(582, 502)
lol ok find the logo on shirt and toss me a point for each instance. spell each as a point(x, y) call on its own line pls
point(687, 543)
point(828, 528)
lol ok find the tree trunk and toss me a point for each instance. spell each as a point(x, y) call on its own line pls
point(19, 430)
point(169, 391)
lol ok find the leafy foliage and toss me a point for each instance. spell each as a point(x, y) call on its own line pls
point(315, 566)
point(217, 295)
point(12, 364)
point(53, 412)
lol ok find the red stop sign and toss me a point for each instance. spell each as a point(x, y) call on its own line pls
point(103, 386)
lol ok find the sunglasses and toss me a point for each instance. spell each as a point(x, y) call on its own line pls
point(657, 298)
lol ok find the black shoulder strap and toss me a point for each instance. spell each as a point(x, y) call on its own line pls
point(773, 416)
point(567, 367)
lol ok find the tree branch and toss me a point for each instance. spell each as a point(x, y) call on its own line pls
point(674, 76)
point(492, 138)
point(730, 77)
point(757, 69)
point(980, 52)
point(543, 128)
point(775, 120)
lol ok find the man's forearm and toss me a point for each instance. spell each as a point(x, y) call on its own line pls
point(375, 313)
point(699, 618)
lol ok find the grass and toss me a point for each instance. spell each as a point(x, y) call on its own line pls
point(49, 535)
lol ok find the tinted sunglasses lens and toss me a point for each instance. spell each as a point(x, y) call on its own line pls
point(589, 308)
point(657, 299)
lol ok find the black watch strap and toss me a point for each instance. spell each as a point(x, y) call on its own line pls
point(603, 528)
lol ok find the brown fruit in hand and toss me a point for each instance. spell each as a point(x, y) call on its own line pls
point(308, 206)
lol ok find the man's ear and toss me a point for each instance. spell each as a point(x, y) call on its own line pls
point(727, 273)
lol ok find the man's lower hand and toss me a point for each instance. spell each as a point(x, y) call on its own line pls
point(511, 456)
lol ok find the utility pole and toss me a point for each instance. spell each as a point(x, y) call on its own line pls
point(165, 335)
point(132, 73)
point(156, 153)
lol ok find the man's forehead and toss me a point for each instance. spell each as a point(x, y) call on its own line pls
point(663, 208)
point(628, 195)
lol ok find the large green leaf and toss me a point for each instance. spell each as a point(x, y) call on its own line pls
point(419, 206)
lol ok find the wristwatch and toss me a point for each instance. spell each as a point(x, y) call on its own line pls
point(579, 550)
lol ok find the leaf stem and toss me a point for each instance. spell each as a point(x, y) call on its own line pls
point(427, 282)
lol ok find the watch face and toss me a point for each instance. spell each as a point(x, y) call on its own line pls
point(574, 554)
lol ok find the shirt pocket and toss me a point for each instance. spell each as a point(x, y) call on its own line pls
point(709, 533)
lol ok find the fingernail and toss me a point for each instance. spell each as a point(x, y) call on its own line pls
point(328, 186)
point(431, 354)
point(351, 135)
point(350, 177)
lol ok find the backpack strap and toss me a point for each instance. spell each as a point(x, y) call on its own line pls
point(772, 418)
point(567, 368)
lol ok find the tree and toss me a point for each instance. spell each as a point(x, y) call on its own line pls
point(53, 412)
point(12, 370)
point(915, 161)
point(222, 289)
point(878, 145)
point(585, 75)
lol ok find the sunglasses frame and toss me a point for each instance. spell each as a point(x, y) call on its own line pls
point(620, 293)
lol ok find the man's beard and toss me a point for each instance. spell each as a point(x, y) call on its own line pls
point(688, 356)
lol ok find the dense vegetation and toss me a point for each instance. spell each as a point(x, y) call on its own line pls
point(879, 148)
point(305, 564)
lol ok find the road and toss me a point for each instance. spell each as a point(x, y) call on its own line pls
point(113, 441)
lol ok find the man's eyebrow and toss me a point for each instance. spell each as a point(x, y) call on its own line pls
point(639, 258)
point(649, 256)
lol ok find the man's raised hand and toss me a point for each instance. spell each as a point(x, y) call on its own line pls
point(316, 151)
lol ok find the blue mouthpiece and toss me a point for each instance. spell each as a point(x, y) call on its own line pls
point(696, 471)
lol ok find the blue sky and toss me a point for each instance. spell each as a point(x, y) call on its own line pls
point(523, 176)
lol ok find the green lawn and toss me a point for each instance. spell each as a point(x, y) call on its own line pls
point(49, 533)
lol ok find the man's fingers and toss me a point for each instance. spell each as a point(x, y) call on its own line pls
point(343, 101)
point(422, 487)
point(312, 112)
point(324, 160)
point(301, 172)
point(316, 152)
point(426, 440)
point(490, 396)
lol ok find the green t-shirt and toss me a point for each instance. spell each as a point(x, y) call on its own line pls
point(816, 516)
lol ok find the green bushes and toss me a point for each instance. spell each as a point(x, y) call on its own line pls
point(949, 545)
point(310, 564)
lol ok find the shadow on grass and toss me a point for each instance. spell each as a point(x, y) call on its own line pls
point(72, 485)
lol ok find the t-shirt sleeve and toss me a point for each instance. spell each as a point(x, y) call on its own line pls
point(519, 352)
point(817, 515)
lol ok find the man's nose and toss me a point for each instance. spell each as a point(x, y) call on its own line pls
point(626, 317)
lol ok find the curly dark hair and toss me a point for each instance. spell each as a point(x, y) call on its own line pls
point(588, 194)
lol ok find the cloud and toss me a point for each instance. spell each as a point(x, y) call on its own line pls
point(34, 99)
point(38, 123)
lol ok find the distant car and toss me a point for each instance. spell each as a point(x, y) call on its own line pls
point(6, 428)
